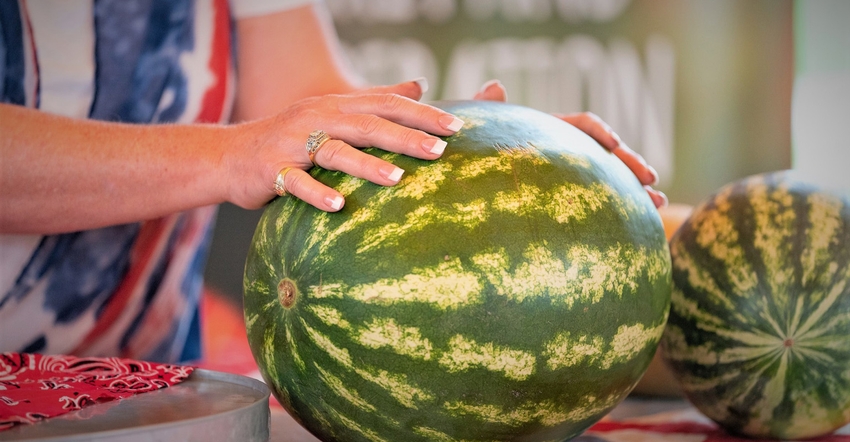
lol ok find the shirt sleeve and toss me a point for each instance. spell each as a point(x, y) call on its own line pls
point(253, 8)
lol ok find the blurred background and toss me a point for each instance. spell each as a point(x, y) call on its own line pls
point(708, 91)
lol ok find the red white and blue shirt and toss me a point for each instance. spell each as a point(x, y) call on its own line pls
point(128, 290)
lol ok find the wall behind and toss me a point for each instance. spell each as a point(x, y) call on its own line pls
point(821, 107)
point(702, 88)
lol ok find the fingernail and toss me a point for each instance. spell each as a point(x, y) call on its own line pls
point(434, 145)
point(617, 140)
point(653, 175)
point(334, 203)
point(423, 84)
point(658, 197)
point(451, 122)
point(392, 173)
point(487, 84)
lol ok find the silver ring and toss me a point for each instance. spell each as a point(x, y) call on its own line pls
point(314, 141)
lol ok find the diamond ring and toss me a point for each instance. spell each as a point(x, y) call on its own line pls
point(316, 139)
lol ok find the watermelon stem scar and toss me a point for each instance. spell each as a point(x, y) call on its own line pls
point(287, 293)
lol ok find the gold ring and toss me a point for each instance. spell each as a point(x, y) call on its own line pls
point(314, 141)
point(279, 184)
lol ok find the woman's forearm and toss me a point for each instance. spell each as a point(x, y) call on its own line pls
point(58, 174)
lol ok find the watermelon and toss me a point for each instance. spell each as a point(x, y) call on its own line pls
point(516, 288)
point(759, 328)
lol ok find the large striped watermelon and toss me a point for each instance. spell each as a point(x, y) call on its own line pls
point(759, 330)
point(515, 289)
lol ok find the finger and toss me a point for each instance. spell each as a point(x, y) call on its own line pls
point(401, 110)
point(301, 185)
point(597, 129)
point(492, 90)
point(413, 89)
point(658, 197)
point(337, 155)
point(646, 174)
point(371, 130)
point(592, 125)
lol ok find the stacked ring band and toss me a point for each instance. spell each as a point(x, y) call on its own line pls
point(314, 142)
point(279, 184)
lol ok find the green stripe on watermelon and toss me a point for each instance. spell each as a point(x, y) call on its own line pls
point(760, 317)
point(517, 287)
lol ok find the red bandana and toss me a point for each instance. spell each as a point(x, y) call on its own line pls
point(35, 387)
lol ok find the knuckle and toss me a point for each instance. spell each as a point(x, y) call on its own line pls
point(294, 181)
point(391, 102)
point(312, 101)
point(306, 105)
point(410, 138)
point(368, 124)
point(331, 151)
point(588, 117)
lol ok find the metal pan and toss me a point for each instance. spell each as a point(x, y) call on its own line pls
point(209, 406)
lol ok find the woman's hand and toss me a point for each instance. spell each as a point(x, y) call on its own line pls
point(62, 175)
point(597, 129)
point(387, 117)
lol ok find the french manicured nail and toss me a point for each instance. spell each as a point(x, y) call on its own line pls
point(658, 197)
point(392, 173)
point(451, 122)
point(487, 85)
point(653, 175)
point(423, 84)
point(617, 140)
point(434, 145)
point(334, 203)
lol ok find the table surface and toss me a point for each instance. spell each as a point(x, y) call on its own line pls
point(285, 429)
point(659, 410)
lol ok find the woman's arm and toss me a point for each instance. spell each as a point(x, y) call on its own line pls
point(60, 174)
point(286, 56)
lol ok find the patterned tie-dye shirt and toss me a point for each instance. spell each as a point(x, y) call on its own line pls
point(128, 290)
